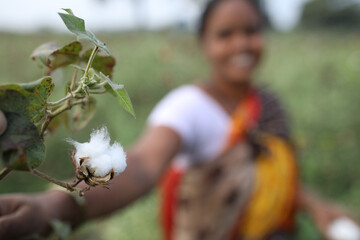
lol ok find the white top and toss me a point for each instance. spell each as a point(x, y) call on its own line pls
point(202, 124)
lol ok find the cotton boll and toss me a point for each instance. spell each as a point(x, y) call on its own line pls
point(84, 151)
point(99, 144)
point(99, 141)
point(96, 162)
point(100, 165)
point(343, 229)
point(81, 150)
point(118, 158)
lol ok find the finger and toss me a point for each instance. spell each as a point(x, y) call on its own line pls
point(8, 205)
point(17, 225)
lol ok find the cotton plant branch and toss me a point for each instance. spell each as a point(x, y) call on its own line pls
point(95, 162)
point(52, 114)
point(81, 93)
point(68, 186)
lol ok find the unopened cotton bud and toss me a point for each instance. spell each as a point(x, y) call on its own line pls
point(343, 229)
point(98, 159)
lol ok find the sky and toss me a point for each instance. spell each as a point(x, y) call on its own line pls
point(113, 15)
point(285, 14)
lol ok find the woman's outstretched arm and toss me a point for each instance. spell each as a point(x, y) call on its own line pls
point(24, 215)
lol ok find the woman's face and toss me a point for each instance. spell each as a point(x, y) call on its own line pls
point(232, 41)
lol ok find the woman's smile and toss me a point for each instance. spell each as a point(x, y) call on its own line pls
point(242, 60)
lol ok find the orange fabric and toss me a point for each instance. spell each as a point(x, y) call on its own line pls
point(169, 186)
point(245, 117)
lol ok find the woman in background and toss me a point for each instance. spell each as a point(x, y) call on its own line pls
point(221, 150)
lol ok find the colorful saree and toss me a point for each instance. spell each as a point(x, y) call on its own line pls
point(249, 192)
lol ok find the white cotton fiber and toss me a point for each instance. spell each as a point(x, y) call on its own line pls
point(343, 229)
point(118, 158)
point(99, 156)
point(100, 165)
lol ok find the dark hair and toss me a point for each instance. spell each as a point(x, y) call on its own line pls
point(210, 6)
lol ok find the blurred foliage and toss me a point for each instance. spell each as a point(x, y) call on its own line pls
point(315, 74)
point(329, 14)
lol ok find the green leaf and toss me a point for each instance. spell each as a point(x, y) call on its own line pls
point(52, 56)
point(32, 104)
point(76, 25)
point(92, 38)
point(64, 56)
point(125, 101)
point(42, 52)
point(104, 64)
point(120, 93)
point(20, 145)
point(35, 155)
point(14, 100)
point(68, 10)
point(38, 99)
point(31, 86)
point(44, 89)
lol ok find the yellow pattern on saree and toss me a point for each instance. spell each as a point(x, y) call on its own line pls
point(273, 198)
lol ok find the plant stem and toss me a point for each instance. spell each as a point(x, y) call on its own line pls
point(67, 97)
point(91, 59)
point(67, 106)
point(60, 110)
point(102, 84)
point(44, 126)
point(68, 186)
point(4, 172)
point(76, 182)
point(50, 179)
point(72, 84)
point(57, 112)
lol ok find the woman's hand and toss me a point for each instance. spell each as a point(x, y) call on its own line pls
point(3, 123)
point(323, 212)
point(23, 216)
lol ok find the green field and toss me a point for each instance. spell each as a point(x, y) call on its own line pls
point(317, 76)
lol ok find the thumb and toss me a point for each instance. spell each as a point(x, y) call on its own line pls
point(3, 123)
point(17, 225)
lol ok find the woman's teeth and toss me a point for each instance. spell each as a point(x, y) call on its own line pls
point(242, 60)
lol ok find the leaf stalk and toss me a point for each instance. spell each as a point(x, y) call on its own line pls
point(4, 172)
point(91, 59)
